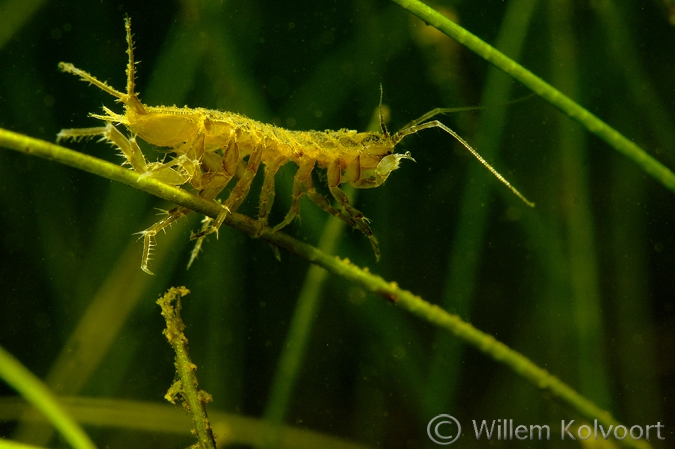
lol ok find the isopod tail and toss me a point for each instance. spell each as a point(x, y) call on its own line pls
point(91, 79)
point(131, 66)
point(130, 99)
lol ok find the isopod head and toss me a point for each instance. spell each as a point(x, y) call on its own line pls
point(375, 177)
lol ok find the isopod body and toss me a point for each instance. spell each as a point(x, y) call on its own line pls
point(208, 148)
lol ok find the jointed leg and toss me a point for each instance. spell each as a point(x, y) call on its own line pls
point(150, 233)
point(324, 204)
point(210, 185)
point(213, 178)
point(238, 194)
point(267, 192)
point(187, 160)
point(130, 149)
point(350, 215)
point(132, 153)
point(206, 222)
point(304, 172)
point(357, 218)
point(216, 184)
point(360, 221)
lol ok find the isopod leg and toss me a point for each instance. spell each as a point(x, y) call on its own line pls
point(324, 204)
point(132, 153)
point(238, 194)
point(130, 149)
point(267, 191)
point(304, 172)
point(200, 241)
point(211, 184)
point(361, 222)
point(150, 233)
point(186, 160)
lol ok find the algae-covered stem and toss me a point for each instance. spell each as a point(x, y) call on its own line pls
point(186, 387)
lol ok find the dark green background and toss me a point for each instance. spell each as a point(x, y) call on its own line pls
point(583, 284)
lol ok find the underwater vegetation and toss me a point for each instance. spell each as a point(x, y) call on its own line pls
point(581, 285)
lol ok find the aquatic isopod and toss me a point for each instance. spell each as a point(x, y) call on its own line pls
point(208, 148)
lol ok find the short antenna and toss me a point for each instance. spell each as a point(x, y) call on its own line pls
point(384, 128)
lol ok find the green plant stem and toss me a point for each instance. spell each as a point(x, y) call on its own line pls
point(30, 387)
point(187, 386)
point(120, 415)
point(577, 215)
point(342, 268)
point(592, 123)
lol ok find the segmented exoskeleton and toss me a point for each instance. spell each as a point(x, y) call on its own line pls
point(208, 146)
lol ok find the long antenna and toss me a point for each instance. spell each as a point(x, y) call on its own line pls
point(436, 124)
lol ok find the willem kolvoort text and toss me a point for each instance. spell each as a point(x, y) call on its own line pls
point(505, 429)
